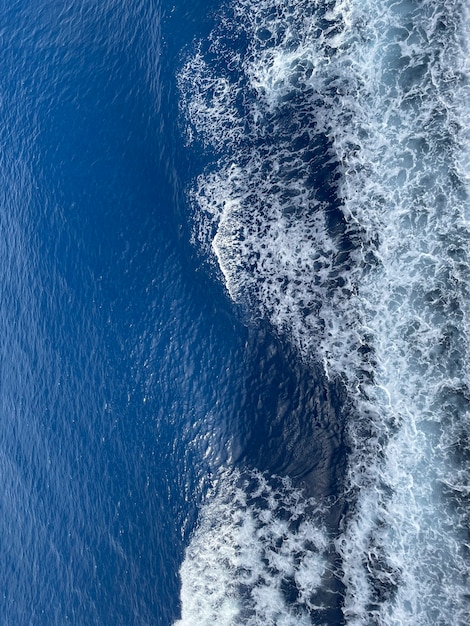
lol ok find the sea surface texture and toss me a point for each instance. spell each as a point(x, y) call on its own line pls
point(234, 313)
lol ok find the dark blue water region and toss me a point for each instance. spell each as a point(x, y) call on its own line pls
point(127, 378)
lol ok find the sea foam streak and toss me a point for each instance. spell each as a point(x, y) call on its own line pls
point(337, 208)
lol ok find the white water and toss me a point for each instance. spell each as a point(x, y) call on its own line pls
point(372, 278)
point(254, 538)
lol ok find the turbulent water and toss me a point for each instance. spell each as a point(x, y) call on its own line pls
point(334, 205)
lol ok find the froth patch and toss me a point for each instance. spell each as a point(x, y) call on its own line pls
point(337, 208)
point(270, 212)
point(258, 556)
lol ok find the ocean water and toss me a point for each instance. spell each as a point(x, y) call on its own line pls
point(234, 313)
point(334, 207)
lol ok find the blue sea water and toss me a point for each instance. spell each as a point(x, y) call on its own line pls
point(234, 312)
point(104, 331)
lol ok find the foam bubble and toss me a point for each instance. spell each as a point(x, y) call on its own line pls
point(337, 208)
point(259, 556)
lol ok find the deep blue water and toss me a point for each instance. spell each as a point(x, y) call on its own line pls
point(233, 313)
point(103, 326)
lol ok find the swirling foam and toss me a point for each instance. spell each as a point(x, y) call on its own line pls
point(258, 557)
point(337, 208)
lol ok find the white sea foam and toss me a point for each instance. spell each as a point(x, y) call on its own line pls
point(258, 543)
point(371, 101)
